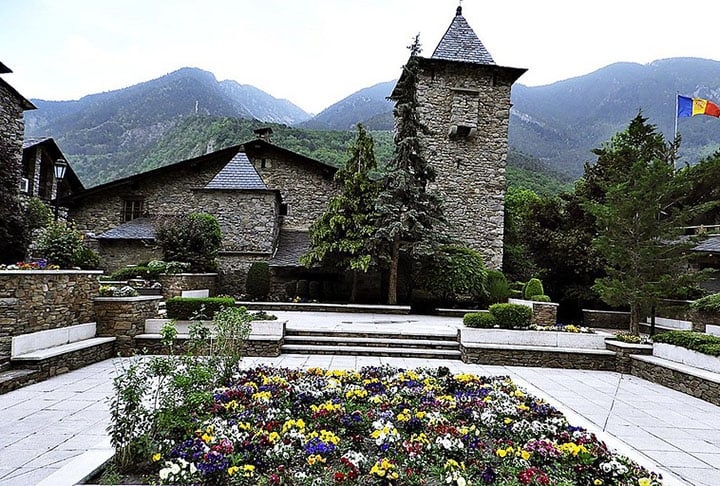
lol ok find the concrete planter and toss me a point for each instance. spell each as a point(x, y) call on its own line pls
point(260, 329)
point(552, 339)
point(687, 357)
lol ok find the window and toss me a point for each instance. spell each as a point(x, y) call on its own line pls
point(132, 208)
point(283, 209)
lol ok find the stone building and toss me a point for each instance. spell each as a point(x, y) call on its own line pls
point(38, 172)
point(12, 106)
point(263, 196)
point(464, 101)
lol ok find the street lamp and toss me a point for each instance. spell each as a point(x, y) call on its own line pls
point(60, 168)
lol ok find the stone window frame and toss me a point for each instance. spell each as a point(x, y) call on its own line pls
point(133, 207)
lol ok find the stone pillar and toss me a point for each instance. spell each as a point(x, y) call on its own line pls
point(544, 313)
point(124, 318)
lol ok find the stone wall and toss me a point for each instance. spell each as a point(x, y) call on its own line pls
point(174, 284)
point(470, 170)
point(116, 254)
point(37, 300)
point(693, 385)
point(305, 187)
point(12, 126)
point(124, 318)
point(253, 346)
point(602, 319)
point(547, 358)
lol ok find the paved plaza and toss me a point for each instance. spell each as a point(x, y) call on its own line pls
point(49, 428)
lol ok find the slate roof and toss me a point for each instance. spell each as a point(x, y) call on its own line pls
point(137, 229)
point(292, 244)
point(460, 43)
point(239, 173)
point(710, 245)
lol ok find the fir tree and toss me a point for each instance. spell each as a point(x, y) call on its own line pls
point(340, 237)
point(409, 216)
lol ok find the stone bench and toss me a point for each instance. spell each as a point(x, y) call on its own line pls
point(59, 350)
point(697, 382)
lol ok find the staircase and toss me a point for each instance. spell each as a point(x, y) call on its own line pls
point(428, 345)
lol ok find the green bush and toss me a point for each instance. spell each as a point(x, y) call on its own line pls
point(498, 288)
point(139, 271)
point(59, 243)
point(510, 316)
point(86, 258)
point(185, 308)
point(696, 341)
point(479, 319)
point(193, 238)
point(540, 298)
point(37, 214)
point(453, 272)
point(710, 303)
point(533, 287)
point(257, 284)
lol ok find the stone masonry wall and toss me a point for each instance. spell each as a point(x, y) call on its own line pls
point(12, 126)
point(37, 300)
point(116, 254)
point(470, 170)
point(124, 318)
point(304, 187)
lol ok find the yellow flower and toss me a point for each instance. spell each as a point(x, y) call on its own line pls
point(525, 455)
point(508, 420)
point(501, 452)
point(598, 482)
point(644, 482)
point(232, 470)
point(248, 470)
point(156, 457)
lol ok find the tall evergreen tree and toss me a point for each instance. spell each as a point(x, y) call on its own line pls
point(638, 220)
point(409, 216)
point(13, 234)
point(340, 237)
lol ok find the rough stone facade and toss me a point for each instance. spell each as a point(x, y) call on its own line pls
point(115, 254)
point(37, 300)
point(124, 318)
point(470, 169)
point(174, 284)
point(12, 126)
point(601, 319)
point(544, 313)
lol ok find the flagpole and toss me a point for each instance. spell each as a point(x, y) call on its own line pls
point(676, 115)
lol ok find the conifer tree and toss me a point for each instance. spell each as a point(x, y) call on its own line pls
point(409, 216)
point(638, 220)
point(340, 237)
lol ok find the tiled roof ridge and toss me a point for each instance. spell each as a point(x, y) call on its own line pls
point(460, 43)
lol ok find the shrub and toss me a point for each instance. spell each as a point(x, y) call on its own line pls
point(37, 214)
point(86, 258)
point(193, 238)
point(498, 288)
point(533, 287)
point(479, 319)
point(540, 298)
point(453, 272)
point(710, 303)
point(696, 341)
point(510, 316)
point(185, 308)
point(139, 271)
point(111, 291)
point(59, 243)
point(257, 284)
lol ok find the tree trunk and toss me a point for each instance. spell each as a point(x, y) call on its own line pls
point(635, 319)
point(392, 281)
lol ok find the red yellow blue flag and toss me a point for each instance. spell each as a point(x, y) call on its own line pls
point(696, 106)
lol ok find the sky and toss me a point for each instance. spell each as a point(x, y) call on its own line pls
point(316, 52)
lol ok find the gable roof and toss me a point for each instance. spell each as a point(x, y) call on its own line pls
point(292, 244)
point(22, 101)
point(137, 229)
point(257, 146)
point(48, 143)
point(460, 43)
point(239, 173)
point(4, 69)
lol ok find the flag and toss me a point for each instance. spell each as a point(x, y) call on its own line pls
point(696, 106)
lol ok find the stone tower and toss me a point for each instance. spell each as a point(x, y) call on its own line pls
point(464, 101)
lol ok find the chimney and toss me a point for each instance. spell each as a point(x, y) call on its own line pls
point(264, 133)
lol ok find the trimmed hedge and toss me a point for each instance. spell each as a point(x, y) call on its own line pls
point(540, 298)
point(127, 273)
point(510, 316)
point(185, 308)
point(710, 303)
point(483, 320)
point(257, 284)
point(695, 341)
point(533, 287)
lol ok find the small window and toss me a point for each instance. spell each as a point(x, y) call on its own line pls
point(132, 208)
point(265, 163)
point(283, 209)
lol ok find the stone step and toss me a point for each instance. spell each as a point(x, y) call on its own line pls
point(371, 351)
point(15, 378)
point(387, 342)
point(449, 336)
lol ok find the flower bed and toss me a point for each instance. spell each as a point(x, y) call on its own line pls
point(384, 426)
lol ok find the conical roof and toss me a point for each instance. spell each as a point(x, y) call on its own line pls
point(460, 43)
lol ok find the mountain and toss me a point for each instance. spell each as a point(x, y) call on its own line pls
point(544, 120)
point(368, 106)
point(107, 135)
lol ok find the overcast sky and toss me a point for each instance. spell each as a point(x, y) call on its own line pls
point(316, 52)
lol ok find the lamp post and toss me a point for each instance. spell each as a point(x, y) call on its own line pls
point(60, 168)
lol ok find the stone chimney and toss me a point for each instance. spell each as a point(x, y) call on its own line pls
point(264, 134)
